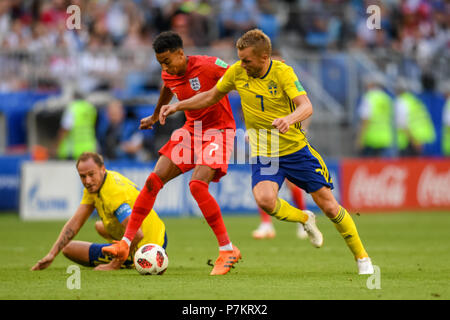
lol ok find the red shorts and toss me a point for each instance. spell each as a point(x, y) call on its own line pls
point(212, 148)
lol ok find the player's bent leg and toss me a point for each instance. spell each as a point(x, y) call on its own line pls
point(78, 252)
point(90, 254)
point(266, 196)
point(103, 262)
point(165, 170)
point(208, 205)
point(345, 225)
point(199, 187)
point(100, 228)
point(326, 201)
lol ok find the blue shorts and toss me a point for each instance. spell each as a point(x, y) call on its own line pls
point(97, 257)
point(304, 168)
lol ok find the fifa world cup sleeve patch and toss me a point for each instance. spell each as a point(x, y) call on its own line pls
point(221, 63)
point(299, 86)
point(123, 212)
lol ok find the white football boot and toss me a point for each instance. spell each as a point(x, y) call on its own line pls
point(315, 236)
point(301, 232)
point(365, 266)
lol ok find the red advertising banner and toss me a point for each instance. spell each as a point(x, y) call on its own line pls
point(400, 184)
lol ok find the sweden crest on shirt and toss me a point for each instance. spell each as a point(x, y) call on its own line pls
point(195, 83)
point(273, 88)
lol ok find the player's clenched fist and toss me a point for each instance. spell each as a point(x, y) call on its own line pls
point(148, 122)
point(281, 124)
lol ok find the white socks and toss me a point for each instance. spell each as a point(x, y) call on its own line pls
point(228, 247)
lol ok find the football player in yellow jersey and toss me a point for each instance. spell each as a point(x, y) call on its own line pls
point(274, 104)
point(266, 229)
point(113, 195)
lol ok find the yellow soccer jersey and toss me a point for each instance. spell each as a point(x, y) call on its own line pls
point(116, 191)
point(263, 100)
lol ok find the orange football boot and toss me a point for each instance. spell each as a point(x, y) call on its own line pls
point(225, 261)
point(119, 250)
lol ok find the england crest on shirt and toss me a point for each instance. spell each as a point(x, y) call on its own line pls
point(195, 83)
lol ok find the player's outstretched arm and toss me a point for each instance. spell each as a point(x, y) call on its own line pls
point(303, 111)
point(67, 233)
point(199, 101)
point(165, 96)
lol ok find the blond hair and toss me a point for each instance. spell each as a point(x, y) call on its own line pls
point(98, 159)
point(258, 40)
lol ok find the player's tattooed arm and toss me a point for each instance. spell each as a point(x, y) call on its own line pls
point(68, 232)
point(72, 227)
point(66, 236)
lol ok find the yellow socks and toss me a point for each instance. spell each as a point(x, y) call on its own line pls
point(285, 212)
point(343, 223)
point(346, 227)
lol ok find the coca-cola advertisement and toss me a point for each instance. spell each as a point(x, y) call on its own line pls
point(398, 184)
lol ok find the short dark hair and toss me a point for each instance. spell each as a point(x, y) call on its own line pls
point(167, 41)
point(98, 159)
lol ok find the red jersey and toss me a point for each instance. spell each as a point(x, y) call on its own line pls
point(202, 74)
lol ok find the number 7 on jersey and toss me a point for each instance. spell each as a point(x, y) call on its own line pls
point(262, 102)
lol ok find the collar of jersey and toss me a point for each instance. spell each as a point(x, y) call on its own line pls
point(104, 179)
point(268, 70)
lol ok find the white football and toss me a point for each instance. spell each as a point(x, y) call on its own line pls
point(151, 259)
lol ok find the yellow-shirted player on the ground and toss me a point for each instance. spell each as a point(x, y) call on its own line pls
point(274, 104)
point(113, 195)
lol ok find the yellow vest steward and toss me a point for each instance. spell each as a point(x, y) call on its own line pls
point(115, 191)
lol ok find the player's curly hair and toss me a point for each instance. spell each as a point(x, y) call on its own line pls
point(257, 39)
point(98, 159)
point(167, 41)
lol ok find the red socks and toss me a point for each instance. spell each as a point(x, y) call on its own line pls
point(210, 209)
point(298, 197)
point(264, 216)
point(199, 189)
point(143, 205)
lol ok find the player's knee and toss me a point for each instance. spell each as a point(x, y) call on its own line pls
point(266, 202)
point(329, 208)
point(67, 251)
point(99, 227)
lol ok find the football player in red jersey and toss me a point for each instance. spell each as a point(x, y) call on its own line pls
point(203, 144)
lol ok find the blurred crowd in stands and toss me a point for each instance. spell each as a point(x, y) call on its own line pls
point(412, 28)
point(417, 27)
point(409, 28)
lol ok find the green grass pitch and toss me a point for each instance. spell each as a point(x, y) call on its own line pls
point(412, 251)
